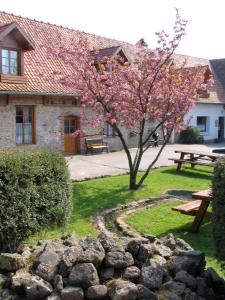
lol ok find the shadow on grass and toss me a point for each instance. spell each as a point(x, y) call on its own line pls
point(191, 173)
point(87, 202)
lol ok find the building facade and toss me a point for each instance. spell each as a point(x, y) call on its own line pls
point(36, 113)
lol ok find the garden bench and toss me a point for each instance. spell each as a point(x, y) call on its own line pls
point(197, 208)
point(189, 208)
point(95, 144)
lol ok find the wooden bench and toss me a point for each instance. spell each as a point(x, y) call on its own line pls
point(189, 208)
point(197, 208)
point(95, 144)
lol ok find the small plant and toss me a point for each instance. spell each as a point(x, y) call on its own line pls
point(191, 135)
point(218, 205)
point(34, 194)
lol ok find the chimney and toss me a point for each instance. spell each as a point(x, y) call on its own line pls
point(142, 43)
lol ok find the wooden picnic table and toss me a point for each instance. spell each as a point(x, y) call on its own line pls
point(205, 197)
point(197, 207)
point(195, 158)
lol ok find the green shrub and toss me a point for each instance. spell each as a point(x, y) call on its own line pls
point(191, 135)
point(218, 205)
point(35, 193)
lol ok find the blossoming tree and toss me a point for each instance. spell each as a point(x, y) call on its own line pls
point(151, 89)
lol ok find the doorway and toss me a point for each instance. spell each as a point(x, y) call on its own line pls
point(221, 129)
point(71, 143)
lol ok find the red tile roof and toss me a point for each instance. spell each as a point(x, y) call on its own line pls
point(36, 61)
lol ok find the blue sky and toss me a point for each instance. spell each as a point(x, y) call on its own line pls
point(130, 20)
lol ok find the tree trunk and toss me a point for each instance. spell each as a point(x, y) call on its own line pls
point(133, 180)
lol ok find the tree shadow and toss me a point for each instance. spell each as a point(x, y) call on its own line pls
point(191, 173)
point(86, 204)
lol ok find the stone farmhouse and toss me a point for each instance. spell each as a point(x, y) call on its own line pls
point(36, 113)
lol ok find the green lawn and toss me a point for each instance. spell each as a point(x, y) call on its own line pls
point(161, 220)
point(93, 196)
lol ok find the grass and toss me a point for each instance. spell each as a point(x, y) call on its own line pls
point(161, 220)
point(91, 197)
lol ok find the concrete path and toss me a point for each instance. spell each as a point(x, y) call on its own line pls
point(96, 165)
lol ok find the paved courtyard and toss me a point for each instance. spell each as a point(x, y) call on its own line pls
point(115, 163)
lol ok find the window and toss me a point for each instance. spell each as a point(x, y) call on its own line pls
point(69, 125)
point(202, 124)
point(9, 62)
point(25, 125)
point(109, 130)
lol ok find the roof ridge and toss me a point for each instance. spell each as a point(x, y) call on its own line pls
point(64, 27)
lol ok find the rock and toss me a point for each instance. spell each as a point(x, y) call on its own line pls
point(174, 287)
point(214, 281)
point(54, 297)
point(12, 262)
point(6, 294)
point(55, 245)
point(93, 252)
point(84, 275)
point(72, 293)
point(191, 261)
point(189, 295)
point(201, 286)
point(149, 238)
point(91, 243)
point(58, 282)
point(107, 241)
point(187, 279)
point(96, 292)
point(119, 260)
point(47, 264)
point(167, 295)
point(152, 276)
point(169, 241)
point(133, 247)
point(70, 240)
point(26, 252)
point(3, 281)
point(106, 274)
point(131, 273)
point(145, 294)
point(182, 245)
point(32, 287)
point(121, 290)
point(69, 258)
point(159, 260)
point(91, 256)
point(146, 251)
point(162, 250)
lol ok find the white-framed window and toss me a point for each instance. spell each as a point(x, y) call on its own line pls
point(203, 124)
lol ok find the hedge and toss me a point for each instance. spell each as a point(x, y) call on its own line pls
point(191, 135)
point(35, 193)
point(218, 206)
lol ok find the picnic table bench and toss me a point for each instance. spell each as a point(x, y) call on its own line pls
point(96, 144)
point(195, 158)
point(197, 207)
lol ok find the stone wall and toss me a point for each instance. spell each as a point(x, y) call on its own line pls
point(109, 268)
point(49, 125)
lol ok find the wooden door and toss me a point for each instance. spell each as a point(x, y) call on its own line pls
point(70, 142)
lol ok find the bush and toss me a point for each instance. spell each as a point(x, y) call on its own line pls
point(191, 135)
point(35, 193)
point(218, 205)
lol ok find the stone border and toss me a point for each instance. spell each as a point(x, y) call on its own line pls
point(120, 212)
